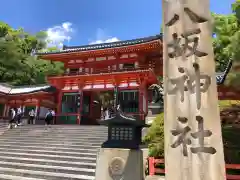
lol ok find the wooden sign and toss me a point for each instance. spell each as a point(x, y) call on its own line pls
point(193, 137)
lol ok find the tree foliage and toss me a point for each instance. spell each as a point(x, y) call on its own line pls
point(226, 41)
point(155, 137)
point(18, 65)
point(225, 27)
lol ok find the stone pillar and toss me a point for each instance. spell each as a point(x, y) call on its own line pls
point(193, 137)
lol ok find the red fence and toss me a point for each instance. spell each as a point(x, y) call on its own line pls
point(153, 170)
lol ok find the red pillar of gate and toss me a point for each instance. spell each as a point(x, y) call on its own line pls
point(141, 101)
point(91, 104)
point(59, 101)
point(80, 87)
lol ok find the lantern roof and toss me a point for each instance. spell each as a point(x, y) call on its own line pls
point(122, 119)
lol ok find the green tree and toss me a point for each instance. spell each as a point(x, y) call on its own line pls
point(226, 42)
point(225, 27)
point(236, 9)
point(18, 64)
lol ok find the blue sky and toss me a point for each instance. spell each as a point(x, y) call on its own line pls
point(80, 22)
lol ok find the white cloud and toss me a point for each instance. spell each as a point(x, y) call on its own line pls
point(102, 37)
point(58, 34)
point(114, 39)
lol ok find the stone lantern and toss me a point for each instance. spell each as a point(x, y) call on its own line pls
point(123, 131)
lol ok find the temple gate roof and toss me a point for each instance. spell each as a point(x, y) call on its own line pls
point(68, 49)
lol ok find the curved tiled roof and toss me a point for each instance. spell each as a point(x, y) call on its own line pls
point(14, 90)
point(67, 49)
point(221, 76)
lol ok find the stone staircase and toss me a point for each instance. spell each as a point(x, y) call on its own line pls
point(3, 125)
point(35, 152)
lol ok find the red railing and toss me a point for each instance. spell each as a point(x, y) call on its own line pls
point(108, 70)
point(153, 170)
point(233, 167)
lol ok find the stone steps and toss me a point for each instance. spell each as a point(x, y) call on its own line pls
point(48, 168)
point(63, 143)
point(60, 157)
point(46, 136)
point(36, 152)
point(50, 148)
point(17, 143)
point(90, 165)
point(3, 126)
point(69, 133)
point(46, 152)
point(10, 177)
point(69, 127)
point(42, 174)
point(51, 140)
point(50, 135)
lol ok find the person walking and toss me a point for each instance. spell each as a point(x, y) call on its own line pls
point(31, 116)
point(19, 116)
point(12, 121)
point(53, 116)
point(48, 117)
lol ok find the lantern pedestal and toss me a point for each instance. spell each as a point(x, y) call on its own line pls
point(121, 157)
point(119, 164)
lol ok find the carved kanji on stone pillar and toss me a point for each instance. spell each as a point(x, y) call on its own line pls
point(193, 141)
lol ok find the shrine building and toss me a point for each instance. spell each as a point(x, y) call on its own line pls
point(39, 98)
point(132, 66)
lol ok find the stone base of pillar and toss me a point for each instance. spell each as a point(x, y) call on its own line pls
point(119, 164)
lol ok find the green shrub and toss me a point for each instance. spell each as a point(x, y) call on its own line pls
point(155, 134)
point(155, 137)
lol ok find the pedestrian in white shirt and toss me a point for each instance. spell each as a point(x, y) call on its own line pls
point(31, 116)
